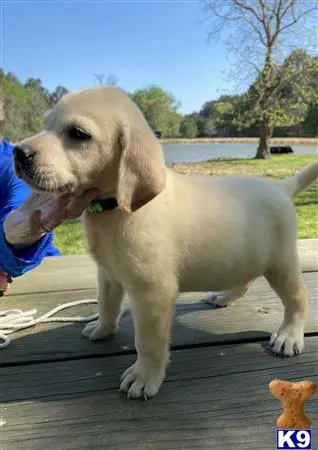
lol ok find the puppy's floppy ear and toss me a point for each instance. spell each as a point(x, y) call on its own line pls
point(142, 172)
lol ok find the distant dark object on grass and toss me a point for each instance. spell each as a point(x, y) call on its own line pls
point(158, 133)
point(279, 150)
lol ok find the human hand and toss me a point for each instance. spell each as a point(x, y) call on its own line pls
point(42, 213)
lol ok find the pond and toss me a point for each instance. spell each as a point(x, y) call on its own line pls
point(177, 153)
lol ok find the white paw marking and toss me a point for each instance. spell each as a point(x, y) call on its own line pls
point(218, 299)
point(138, 382)
point(96, 330)
point(289, 341)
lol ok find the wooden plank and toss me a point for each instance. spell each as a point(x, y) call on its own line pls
point(308, 252)
point(254, 316)
point(213, 398)
point(58, 274)
point(79, 272)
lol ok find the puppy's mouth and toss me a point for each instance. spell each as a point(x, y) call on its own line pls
point(41, 181)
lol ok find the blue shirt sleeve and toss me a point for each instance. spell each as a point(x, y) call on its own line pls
point(13, 192)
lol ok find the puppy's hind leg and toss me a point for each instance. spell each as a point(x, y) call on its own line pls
point(285, 279)
point(152, 309)
point(110, 295)
point(227, 298)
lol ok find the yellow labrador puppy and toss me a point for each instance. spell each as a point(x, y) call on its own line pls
point(169, 233)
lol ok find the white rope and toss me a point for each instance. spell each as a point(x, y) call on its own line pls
point(14, 320)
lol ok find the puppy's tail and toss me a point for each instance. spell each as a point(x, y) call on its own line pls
point(301, 181)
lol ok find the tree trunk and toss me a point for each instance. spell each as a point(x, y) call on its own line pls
point(263, 150)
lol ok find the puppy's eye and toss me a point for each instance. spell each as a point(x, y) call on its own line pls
point(77, 134)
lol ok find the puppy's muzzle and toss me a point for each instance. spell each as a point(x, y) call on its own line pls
point(23, 159)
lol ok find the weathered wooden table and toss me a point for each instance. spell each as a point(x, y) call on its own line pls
point(58, 391)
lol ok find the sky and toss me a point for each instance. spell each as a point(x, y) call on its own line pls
point(141, 43)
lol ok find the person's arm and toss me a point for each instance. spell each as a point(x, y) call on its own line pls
point(17, 260)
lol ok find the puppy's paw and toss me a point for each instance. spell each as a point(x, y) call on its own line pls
point(138, 382)
point(289, 341)
point(219, 299)
point(96, 330)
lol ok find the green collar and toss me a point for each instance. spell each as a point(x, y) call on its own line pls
point(102, 204)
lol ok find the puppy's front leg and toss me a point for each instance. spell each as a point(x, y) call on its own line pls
point(110, 295)
point(152, 314)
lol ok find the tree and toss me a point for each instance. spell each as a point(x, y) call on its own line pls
point(294, 110)
point(297, 87)
point(172, 129)
point(35, 85)
point(14, 108)
point(209, 127)
point(111, 79)
point(208, 109)
point(159, 108)
point(188, 127)
point(311, 120)
point(38, 102)
point(224, 116)
point(218, 116)
point(99, 78)
point(261, 32)
point(199, 120)
point(58, 93)
point(24, 106)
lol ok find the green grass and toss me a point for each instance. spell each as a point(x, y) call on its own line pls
point(69, 237)
point(278, 167)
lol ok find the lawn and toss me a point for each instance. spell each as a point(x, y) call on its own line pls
point(69, 237)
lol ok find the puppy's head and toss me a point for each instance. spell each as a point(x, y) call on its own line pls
point(94, 138)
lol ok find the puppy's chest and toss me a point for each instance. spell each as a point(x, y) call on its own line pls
point(106, 240)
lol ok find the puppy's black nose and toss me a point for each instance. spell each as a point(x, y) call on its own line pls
point(23, 156)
